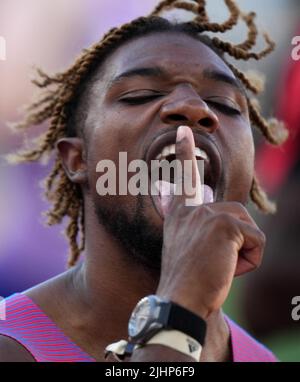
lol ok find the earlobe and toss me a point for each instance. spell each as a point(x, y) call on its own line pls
point(71, 151)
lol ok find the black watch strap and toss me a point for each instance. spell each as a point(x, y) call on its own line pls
point(187, 322)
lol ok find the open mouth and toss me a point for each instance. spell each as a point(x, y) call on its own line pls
point(163, 152)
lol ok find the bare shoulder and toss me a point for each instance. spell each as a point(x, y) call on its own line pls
point(12, 351)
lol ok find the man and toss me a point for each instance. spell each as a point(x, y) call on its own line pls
point(145, 87)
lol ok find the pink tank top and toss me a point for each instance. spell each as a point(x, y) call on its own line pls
point(27, 324)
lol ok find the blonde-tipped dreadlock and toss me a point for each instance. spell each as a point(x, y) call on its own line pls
point(61, 93)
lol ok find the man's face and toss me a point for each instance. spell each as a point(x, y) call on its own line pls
point(182, 82)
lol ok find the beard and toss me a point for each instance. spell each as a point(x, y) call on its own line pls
point(141, 240)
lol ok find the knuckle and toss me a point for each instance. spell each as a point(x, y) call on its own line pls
point(222, 223)
point(179, 210)
point(224, 218)
point(238, 205)
point(205, 213)
point(261, 238)
point(258, 262)
point(204, 209)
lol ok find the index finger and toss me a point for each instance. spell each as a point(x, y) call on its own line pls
point(188, 188)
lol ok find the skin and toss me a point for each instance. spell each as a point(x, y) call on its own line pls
point(197, 270)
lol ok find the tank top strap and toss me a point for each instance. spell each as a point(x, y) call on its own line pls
point(23, 321)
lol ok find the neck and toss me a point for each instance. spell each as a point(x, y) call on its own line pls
point(108, 284)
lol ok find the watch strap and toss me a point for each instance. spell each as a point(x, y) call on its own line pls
point(185, 321)
point(178, 341)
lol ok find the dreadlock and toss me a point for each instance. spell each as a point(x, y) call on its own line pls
point(61, 96)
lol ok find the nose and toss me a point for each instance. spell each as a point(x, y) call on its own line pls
point(187, 107)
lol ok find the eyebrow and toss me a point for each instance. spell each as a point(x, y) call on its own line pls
point(219, 76)
point(156, 71)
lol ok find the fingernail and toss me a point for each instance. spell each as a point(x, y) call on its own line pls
point(181, 133)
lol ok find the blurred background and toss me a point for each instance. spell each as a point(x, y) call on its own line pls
point(50, 34)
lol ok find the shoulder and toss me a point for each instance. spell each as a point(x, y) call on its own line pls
point(12, 351)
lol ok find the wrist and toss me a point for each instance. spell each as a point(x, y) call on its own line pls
point(186, 302)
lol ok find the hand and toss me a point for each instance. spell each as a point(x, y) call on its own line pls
point(206, 245)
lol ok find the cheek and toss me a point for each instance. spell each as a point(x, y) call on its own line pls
point(243, 163)
point(240, 170)
point(103, 152)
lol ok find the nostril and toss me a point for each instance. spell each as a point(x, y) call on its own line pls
point(206, 122)
point(177, 117)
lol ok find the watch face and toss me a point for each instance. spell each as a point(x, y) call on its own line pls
point(140, 317)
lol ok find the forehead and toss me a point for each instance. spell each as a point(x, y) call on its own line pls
point(174, 51)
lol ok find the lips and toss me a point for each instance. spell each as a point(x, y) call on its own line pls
point(163, 147)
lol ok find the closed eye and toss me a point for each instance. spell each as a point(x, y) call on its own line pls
point(225, 109)
point(139, 100)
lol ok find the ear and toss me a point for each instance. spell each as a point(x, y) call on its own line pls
point(71, 151)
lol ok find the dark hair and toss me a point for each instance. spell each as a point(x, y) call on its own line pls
point(61, 101)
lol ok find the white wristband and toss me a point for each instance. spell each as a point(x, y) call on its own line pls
point(177, 341)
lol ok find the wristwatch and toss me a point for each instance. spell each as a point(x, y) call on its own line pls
point(153, 314)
